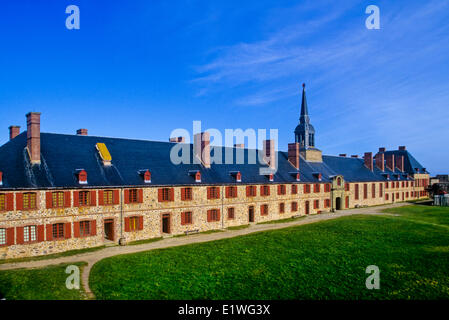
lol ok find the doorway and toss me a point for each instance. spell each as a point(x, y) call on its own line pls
point(109, 229)
point(307, 207)
point(251, 213)
point(166, 223)
point(338, 203)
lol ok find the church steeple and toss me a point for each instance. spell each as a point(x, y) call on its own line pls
point(304, 132)
point(304, 118)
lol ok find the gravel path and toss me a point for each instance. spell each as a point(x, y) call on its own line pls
point(93, 257)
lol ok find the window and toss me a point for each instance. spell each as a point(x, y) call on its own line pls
point(230, 213)
point(380, 190)
point(307, 188)
point(84, 228)
point(346, 186)
point(316, 187)
point(132, 196)
point(58, 231)
point(316, 204)
point(327, 203)
point(231, 192)
point(84, 198)
point(365, 191)
point(251, 191)
point(327, 187)
point(386, 196)
point(213, 193)
point(356, 191)
point(294, 206)
point(373, 190)
point(281, 189)
point(108, 197)
point(264, 210)
point(294, 189)
point(265, 191)
point(29, 234)
point(339, 181)
point(29, 201)
point(57, 199)
point(397, 184)
point(186, 218)
point(386, 185)
point(281, 207)
point(2, 237)
point(213, 215)
point(186, 194)
point(2, 202)
point(165, 194)
point(133, 223)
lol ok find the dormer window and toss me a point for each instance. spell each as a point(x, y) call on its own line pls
point(146, 175)
point(82, 176)
point(237, 175)
point(1, 178)
point(386, 175)
point(296, 175)
point(317, 175)
point(196, 174)
point(271, 177)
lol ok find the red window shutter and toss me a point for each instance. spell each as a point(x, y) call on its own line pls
point(40, 233)
point(209, 214)
point(19, 201)
point(67, 199)
point(116, 197)
point(159, 195)
point(126, 196)
point(19, 231)
point(248, 192)
point(141, 223)
point(140, 196)
point(218, 214)
point(208, 193)
point(172, 194)
point(49, 200)
point(76, 198)
point(93, 228)
point(76, 229)
point(183, 218)
point(127, 225)
point(183, 196)
point(93, 198)
point(9, 202)
point(10, 236)
point(49, 232)
point(100, 197)
point(68, 230)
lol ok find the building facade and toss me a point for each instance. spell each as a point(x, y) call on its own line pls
point(64, 192)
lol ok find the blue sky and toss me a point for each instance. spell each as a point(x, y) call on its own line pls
point(140, 69)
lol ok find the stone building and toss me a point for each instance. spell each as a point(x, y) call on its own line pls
point(62, 192)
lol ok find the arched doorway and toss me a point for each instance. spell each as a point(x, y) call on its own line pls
point(338, 203)
point(307, 207)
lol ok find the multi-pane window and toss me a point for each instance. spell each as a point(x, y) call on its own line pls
point(133, 223)
point(327, 203)
point(365, 191)
point(29, 201)
point(84, 228)
point(316, 187)
point(57, 199)
point(327, 187)
point(2, 202)
point(165, 193)
point(29, 234)
point(251, 191)
point(264, 209)
point(133, 196)
point(373, 191)
point(316, 204)
point(213, 193)
point(356, 191)
point(84, 198)
point(307, 188)
point(281, 207)
point(231, 215)
point(281, 189)
point(58, 231)
point(186, 194)
point(265, 191)
point(2, 237)
point(294, 206)
point(386, 185)
point(186, 217)
point(108, 197)
point(231, 192)
point(214, 215)
point(294, 189)
point(380, 190)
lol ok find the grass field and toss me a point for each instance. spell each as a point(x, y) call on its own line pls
point(325, 260)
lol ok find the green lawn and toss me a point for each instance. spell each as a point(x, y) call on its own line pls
point(325, 260)
point(39, 284)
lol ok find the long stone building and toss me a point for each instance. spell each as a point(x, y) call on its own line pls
point(62, 192)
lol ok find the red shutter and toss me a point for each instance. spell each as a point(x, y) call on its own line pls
point(141, 223)
point(218, 215)
point(126, 196)
point(183, 218)
point(248, 192)
point(67, 199)
point(40, 233)
point(76, 198)
point(208, 193)
point(116, 197)
point(100, 197)
point(172, 194)
point(10, 236)
point(49, 232)
point(19, 231)
point(68, 230)
point(279, 189)
point(93, 228)
point(49, 200)
point(76, 229)
point(159, 195)
point(19, 201)
point(140, 196)
point(10, 202)
point(183, 196)
point(126, 224)
point(93, 198)
point(208, 215)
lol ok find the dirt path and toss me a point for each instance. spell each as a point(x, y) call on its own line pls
point(93, 257)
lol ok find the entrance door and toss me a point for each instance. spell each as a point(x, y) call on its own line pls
point(109, 229)
point(307, 207)
point(166, 223)
point(338, 203)
point(347, 203)
point(251, 213)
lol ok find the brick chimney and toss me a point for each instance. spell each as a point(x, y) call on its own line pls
point(201, 148)
point(380, 161)
point(81, 132)
point(402, 148)
point(178, 139)
point(293, 154)
point(34, 137)
point(390, 161)
point(368, 160)
point(14, 131)
point(400, 163)
point(269, 154)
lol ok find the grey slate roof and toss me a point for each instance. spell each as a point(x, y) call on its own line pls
point(62, 155)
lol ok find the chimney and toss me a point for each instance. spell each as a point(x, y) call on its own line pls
point(269, 154)
point(380, 161)
point(293, 154)
point(14, 131)
point(201, 147)
point(354, 156)
point(400, 163)
point(402, 148)
point(369, 160)
point(178, 139)
point(381, 149)
point(390, 161)
point(34, 137)
point(342, 154)
point(239, 145)
point(81, 132)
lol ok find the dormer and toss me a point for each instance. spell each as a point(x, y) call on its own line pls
point(317, 175)
point(196, 174)
point(237, 175)
point(1, 178)
point(296, 175)
point(81, 174)
point(146, 175)
point(386, 176)
point(270, 177)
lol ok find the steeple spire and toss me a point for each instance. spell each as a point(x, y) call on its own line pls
point(304, 132)
point(304, 117)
